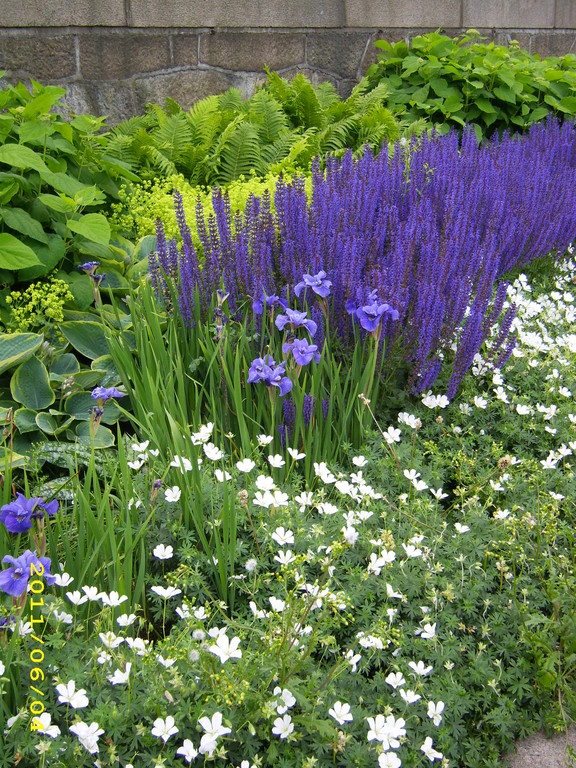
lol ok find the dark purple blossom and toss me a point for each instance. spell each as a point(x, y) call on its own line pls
point(105, 393)
point(14, 580)
point(302, 351)
point(319, 284)
point(269, 301)
point(370, 315)
point(17, 516)
point(89, 267)
point(269, 373)
point(296, 319)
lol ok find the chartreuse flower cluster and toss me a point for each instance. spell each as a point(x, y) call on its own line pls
point(40, 306)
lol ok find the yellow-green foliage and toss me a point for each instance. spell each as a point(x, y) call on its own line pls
point(142, 204)
point(40, 305)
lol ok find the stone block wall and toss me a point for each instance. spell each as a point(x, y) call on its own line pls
point(114, 56)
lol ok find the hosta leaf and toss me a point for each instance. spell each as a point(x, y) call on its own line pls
point(86, 337)
point(16, 347)
point(30, 385)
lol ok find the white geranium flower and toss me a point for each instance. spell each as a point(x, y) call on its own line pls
point(246, 465)
point(119, 677)
point(172, 495)
point(166, 592)
point(428, 750)
point(435, 712)
point(69, 695)
point(341, 713)
point(226, 649)
point(163, 552)
point(283, 726)
point(163, 729)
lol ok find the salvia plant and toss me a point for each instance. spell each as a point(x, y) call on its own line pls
point(411, 248)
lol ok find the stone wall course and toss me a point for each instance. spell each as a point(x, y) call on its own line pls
point(113, 56)
point(61, 13)
point(511, 14)
point(110, 56)
point(252, 51)
point(238, 13)
point(565, 14)
point(46, 58)
point(184, 49)
point(403, 13)
point(339, 52)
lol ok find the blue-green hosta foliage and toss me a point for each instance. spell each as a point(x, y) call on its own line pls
point(283, 127)
point(459, 81)
point(45, 388)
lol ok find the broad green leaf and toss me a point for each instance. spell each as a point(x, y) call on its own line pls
point(43, 102)
point(484, 104)
point(86, 337)
point(92, 226)
point(6, 123)
point(30, 385)
point(14, 254)
point(34, 132)
point(8, 188)
point(21, 221)
point(25, 420)
point(106, 364)
point(103, 437)
point(48, 255)
point(81, 405)
point(505, 94)
point(63, 182)
point(568, 104)
point(23, 157)
point(60, 203)
point(65, 365)
point(46, 423)
point(453, 104)
point(538, 114)
point(16, 347)
point(80, 287)
point(89, 379)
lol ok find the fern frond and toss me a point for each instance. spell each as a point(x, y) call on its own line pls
point(266, 113)
point(172, 136)
point(304, 105)
point(231, 100)
point(240, 154)
point(277, 151)
point(278, 87)
point(327, 95)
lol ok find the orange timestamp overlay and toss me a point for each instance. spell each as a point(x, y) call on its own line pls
point(36, 654)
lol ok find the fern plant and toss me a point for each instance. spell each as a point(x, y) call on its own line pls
point(283, 127)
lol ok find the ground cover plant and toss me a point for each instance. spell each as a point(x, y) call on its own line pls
point(410, 605)
point(457, 81)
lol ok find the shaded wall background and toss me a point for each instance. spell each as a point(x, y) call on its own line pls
point(114, 56)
